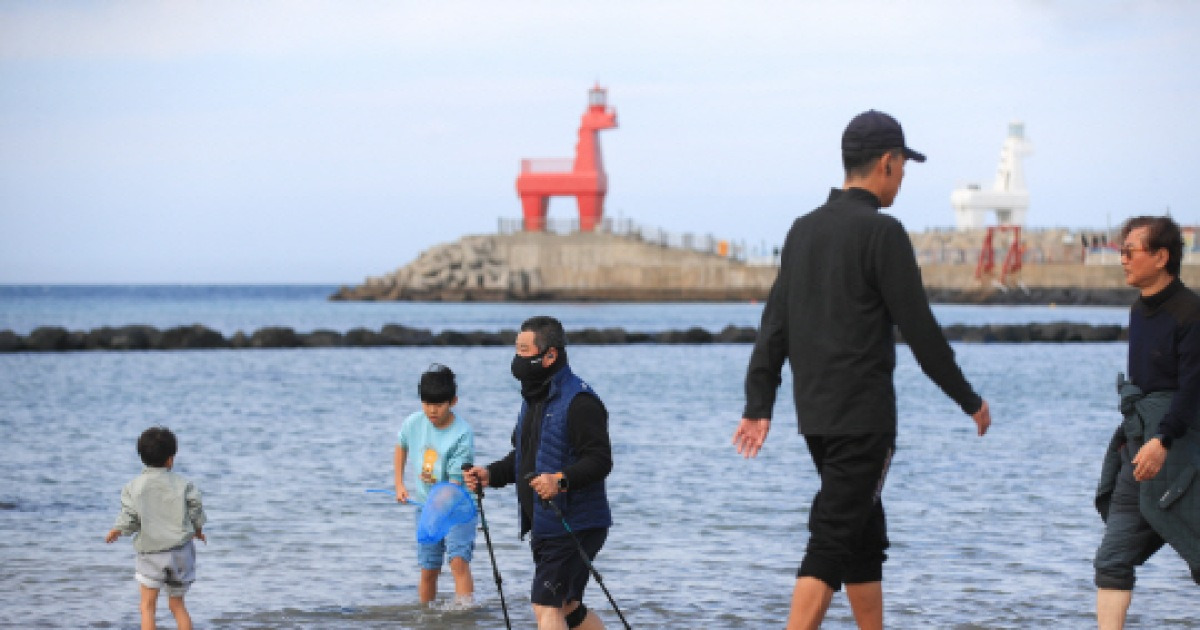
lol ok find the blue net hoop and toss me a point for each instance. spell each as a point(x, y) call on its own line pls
point(447, 504)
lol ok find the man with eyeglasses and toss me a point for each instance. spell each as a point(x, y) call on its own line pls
point(847, 276)
point(1148, 492)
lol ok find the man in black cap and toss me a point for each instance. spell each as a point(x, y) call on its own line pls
point(846, 277)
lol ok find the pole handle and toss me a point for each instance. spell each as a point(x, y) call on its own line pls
point(478, 486)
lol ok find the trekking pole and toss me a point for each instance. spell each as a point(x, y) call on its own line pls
point(583, 554)
point(488, 537)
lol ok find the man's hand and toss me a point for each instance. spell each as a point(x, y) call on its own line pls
point(112, 536)
point(545, 485)
point(1149, 460)
point(476, 477)
point(982, 418)
point(402, 494)
point(750, 435)
point(201, 537)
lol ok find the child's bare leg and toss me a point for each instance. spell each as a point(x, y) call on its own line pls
point(427, 588)
point(464, 584)
point(183, 620)
point(148, 605)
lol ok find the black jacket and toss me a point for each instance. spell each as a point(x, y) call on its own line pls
point(847, 276)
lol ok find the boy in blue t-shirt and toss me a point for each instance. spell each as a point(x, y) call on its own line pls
point(433, 445)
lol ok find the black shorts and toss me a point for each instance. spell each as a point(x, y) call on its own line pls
point(847, 525)
point(559, 574)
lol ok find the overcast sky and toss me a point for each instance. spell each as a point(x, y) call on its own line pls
point(299, 141)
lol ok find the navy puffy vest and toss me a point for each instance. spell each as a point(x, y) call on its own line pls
point(584, 508)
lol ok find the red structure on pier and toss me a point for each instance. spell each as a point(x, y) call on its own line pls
point(583, 179)
point(987, 256)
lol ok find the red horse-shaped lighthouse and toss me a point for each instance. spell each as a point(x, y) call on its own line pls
point(585, 179)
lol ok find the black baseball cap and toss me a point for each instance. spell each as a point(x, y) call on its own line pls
point(873, 132)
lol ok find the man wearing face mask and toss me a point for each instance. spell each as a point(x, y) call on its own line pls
point(561, 446)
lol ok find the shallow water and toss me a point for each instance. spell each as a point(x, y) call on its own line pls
point(986, 533)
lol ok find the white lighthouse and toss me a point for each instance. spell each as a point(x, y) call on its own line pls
point(1008, 196)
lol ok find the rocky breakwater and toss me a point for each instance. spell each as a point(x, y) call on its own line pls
point(582, 266)
point(197, 337)
point(601, 266)
point(1006, 295)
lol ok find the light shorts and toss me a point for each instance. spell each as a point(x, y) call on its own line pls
point(458, 543)
point(173, 569)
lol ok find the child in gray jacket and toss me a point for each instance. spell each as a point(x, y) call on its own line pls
point(164, 511)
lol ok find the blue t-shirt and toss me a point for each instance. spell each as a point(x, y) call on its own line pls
point(441, 452)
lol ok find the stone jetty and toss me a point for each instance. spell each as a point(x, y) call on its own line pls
point(198, 337)
point(632, 265)
point(580, 266)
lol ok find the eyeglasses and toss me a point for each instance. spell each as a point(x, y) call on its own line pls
point(1127, 252)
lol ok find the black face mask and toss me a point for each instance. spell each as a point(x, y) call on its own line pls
point(529, 369)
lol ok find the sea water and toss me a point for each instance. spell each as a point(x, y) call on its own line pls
point(993, 532)
point(228, 309)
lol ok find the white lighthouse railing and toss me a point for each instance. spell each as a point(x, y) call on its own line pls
point(627, 228)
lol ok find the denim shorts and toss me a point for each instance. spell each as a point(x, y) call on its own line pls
point(173, 569)
point(458, 543)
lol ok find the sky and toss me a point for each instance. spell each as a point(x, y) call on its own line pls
point(327, 141)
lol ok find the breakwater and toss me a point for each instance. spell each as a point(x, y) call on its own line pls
point(629, 266)
point(577, 267)
point(199, 337)
point(1010, 296)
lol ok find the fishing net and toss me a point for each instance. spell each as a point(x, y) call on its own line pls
point(446, 505)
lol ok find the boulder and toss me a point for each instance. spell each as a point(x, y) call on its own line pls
point(10, 341)
point(239, 340)
point(76, 340)
point(364, 338)
point(397, 335)
point(494, 339)
point(597, 336)
point(467, 338)
point(195, 336)
point(275, 337)
point(639, 337)
point(135, 337)
point(99, 338)
point(323, 339)
point(1102, 333)
point(737, 334)
point(694, 334)
point(1054, 332)
point(49, 339)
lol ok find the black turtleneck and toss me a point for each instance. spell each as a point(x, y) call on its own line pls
point(847, 276)
point(1164, 352)
point(587, 435)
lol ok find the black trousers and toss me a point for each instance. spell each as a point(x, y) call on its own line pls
point(847, 527)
